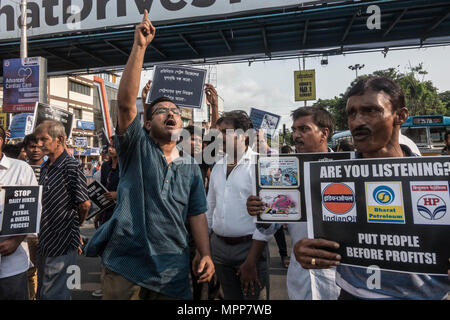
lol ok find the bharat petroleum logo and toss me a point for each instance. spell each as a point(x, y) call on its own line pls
point(383, 195)
point(432, 207)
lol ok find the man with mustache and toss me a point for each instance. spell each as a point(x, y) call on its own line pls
point(375, 110)
point(144, 244)
point(311, 129)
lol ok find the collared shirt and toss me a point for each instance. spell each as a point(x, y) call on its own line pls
point(15, 173)
point(227, 197)
point(393, 285)
point(145, 240)
point(64, 188)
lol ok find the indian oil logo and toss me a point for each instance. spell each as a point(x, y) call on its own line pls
point(338, 202)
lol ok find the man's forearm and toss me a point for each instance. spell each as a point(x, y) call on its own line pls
point(83, 210)
point(131, 78)
point(214, 115)
point(199, 229)
point(256, 251)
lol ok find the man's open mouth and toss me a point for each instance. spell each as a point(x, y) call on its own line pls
point(170, 123)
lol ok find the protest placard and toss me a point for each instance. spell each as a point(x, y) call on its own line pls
point(264, 120)
point(279, 184)
point(96, 193)
point(392, 213)
point(21, 125)
point(183, 85)
point(21, 210)
point(44, 112)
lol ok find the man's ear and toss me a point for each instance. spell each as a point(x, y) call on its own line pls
point(147, 125)
point(401, 115)
point(325, 134)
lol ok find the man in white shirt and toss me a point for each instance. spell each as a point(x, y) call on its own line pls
point(311, 128)
point(14, 261)
point(232, 181)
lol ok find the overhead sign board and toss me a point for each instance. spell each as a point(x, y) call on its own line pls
point(305, 85)
point(56, 17)
point(24, 83)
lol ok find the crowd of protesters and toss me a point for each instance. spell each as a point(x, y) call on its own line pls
point(183, 225)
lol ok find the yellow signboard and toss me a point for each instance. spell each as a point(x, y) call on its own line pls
point(2, 118)
point(305, 85)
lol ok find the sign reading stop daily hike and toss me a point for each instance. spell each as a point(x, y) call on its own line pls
point(305, 85)
point(183, 85)
point(393, 213)
point(20, 210)
point(279, 184)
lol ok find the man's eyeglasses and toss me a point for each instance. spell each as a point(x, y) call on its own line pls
point(164, 110)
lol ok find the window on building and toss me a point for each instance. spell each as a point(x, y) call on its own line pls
point(77, 113)
point(80, 88)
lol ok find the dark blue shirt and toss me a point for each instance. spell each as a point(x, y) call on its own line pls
point(145, 240)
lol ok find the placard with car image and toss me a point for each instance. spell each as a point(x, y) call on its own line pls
point(281, 205)
point(279, 184)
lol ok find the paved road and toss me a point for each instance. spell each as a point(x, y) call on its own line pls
point(90, 271)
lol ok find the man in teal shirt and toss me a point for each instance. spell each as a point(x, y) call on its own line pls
point(144, 245)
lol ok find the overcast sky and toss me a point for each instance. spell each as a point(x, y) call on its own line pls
point(270, 85)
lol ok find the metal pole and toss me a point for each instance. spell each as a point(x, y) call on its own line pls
point(304, 68)
point(23, 30)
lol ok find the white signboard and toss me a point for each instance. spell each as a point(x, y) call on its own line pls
point(58, 16)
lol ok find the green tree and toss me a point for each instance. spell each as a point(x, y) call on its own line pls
point(336, 107)
point(445, 98)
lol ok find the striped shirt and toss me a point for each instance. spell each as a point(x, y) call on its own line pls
point(65, 187)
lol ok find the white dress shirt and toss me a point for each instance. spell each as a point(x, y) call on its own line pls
point(15, 173)
point(227, 198)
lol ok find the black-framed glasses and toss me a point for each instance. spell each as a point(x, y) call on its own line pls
point(164, 110)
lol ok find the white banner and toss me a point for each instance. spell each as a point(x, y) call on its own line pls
point(66, 16)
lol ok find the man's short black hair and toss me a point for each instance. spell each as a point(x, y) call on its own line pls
point(149, 107)
point(321, 117)
point(286, 149)
point(29, 139)
point(377, 84)
point(12, 150)
point(239, 118)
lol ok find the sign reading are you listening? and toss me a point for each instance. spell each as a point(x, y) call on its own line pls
point(393, 213)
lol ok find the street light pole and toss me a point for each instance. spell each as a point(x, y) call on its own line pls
point(356, 67)
point(23, 30)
